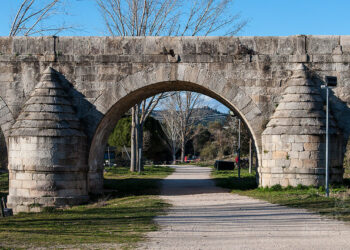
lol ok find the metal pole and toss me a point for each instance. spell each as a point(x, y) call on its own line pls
point(239, 148)
point(109, 157)
point(250, 156)
point(327, 135)
point(140, 160)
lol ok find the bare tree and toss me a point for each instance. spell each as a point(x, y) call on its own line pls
point(170, 17)
point(187, 103)
point(184, 105)
point(140, 113)
point(170, 127)
point(32, 18)
point(165, 17)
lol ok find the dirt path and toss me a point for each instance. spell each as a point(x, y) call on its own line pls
point(207, 217)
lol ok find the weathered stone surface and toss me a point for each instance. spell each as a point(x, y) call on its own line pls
point(102, 77)
point(345, 43)
point(297, 130)
point(46, 151)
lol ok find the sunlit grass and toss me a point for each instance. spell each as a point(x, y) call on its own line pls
point(312, 198)
point(121, 217)
point(4, 184)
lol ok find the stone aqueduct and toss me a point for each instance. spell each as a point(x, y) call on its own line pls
point(60, 97)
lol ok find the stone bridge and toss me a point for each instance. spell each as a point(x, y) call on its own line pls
point(60, 98)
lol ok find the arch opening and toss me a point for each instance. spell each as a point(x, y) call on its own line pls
point(121, 106)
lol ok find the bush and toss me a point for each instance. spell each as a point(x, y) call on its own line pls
point(301, 187)
point(276, 187)
point(209, 152)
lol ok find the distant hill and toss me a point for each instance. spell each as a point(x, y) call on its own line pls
point(205, 114)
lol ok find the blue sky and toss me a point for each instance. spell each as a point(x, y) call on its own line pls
point(266, 18)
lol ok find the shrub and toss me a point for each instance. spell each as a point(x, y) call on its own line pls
point(301, 187)
point(276, 187)
point(209, 152)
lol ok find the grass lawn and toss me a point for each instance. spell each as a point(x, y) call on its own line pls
point(4, 184)
point(120, 217)
point(336, 206)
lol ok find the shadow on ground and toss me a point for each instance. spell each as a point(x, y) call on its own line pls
point(132, 187)
point(235, 183)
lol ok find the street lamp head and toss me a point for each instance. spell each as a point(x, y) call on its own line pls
point(331, 81)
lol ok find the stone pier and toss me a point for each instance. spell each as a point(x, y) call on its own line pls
point(61, 97)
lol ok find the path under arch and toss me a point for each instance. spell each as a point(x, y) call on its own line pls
point(204, 216)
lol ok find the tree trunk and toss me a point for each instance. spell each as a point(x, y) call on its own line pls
point(174, 158)
point(133, 148)
point(182, 148)
point(137, 135)
point(140, 145)
point(173, 150)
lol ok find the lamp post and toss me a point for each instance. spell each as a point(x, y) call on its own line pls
point(330, 81)
point(239, 149)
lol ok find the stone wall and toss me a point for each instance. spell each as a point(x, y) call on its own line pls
point(47, 151)
point(103, 77)
point(260, 66)
point(294, 143)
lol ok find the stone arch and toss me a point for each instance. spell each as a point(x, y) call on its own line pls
point(6, 121)
point(120, 97)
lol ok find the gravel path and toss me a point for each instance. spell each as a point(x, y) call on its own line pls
point(204, 216)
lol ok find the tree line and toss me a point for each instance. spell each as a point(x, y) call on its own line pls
point(163, 142)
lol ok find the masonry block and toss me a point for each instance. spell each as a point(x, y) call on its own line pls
point(261, 78)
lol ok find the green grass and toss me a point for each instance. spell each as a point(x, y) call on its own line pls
point(4, 184)
point(121, 182)
point(337, 206)
point(198, 164)
point(229, 179)
point(123, 216)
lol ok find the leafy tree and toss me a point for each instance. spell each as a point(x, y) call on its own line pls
point(153, 143)
point(222, 139)
point(200, 138)
point(121, 134)
point(209, 151)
